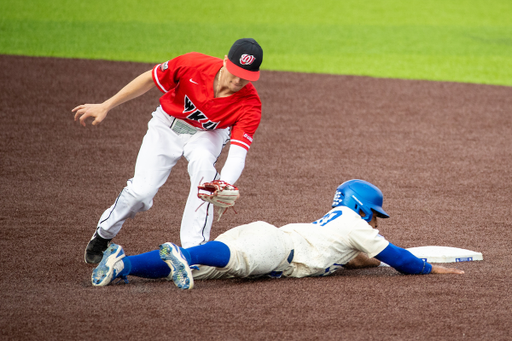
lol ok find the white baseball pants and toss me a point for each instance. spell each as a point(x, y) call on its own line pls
point(256, 249)
point(160, 150)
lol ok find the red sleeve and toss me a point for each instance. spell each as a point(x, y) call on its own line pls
point(167, 75)
point(243, 131)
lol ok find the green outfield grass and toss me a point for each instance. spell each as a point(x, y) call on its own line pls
point(464, 41)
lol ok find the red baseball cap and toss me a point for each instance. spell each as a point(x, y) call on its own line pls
point(244, 59)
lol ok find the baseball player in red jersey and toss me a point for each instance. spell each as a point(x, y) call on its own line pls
point(206, 102)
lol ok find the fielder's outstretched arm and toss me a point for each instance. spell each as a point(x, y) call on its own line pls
point(234, 165)
point(135, 88)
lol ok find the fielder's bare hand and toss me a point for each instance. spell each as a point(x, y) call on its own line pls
point(137, 87)
point(437, 269)
point(84, 111)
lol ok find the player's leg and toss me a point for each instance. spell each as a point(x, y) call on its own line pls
point(212, 257)
point(160, 150)
point(249, 250)
point(201, 152)
point(115, 264)
point(158, 263)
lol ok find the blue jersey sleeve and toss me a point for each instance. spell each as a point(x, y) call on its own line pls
point(403, 261)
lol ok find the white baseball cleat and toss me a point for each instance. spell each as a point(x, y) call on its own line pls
point(181, 274)
point(110, 266)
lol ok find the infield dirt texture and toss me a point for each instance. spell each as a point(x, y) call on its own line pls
point(441, 152)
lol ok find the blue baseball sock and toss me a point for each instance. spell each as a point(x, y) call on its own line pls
point(146, 265)
point(213, 253)
point(150, 265)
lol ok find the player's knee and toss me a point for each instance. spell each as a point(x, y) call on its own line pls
point(201, 161)
point(140, 195)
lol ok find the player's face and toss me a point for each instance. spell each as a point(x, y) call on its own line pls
point(233, 82)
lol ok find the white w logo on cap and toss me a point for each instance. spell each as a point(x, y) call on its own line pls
point(247, 59)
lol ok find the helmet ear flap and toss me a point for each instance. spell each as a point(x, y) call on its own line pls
point(366, 217)
point(361, 210)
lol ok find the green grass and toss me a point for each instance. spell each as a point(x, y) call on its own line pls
point(464, 41)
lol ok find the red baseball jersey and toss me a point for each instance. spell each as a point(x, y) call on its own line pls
point(187, 84)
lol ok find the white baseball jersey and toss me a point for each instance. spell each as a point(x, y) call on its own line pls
point(297, 250)
point(331, 242)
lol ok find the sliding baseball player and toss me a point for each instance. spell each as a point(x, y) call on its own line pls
point(346, 237)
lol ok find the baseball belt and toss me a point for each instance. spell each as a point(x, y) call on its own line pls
point(182, 127)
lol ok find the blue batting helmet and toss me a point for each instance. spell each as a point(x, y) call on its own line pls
point(360, 195)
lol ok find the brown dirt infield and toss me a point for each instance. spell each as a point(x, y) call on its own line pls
point(441, 152)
